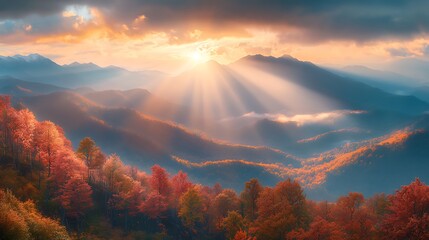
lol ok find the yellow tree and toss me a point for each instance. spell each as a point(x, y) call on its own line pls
point(233, 223)
point(191, 207)
point(90, 153)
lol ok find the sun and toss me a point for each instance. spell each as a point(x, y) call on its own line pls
point(197, 56)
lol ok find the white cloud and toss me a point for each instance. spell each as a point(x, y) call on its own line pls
point(303, 119)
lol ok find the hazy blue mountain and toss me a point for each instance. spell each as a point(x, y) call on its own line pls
point(37, 68)
point(387, 81)
point(16, 87)
point(413, 67)
point(347, 93)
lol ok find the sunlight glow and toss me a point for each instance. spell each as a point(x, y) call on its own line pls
point(196, 56)
point(199, 56)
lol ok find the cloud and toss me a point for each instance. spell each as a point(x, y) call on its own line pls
point(426, 50)
point(399, 52)
point(305, 20)
point(22, 8)
point(304, 119)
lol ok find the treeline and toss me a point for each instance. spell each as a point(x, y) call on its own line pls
point(98, 197)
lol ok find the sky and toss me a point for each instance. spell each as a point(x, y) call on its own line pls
point(165, 35)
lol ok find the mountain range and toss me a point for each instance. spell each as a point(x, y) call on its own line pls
point(265, 117)
point(36, 68)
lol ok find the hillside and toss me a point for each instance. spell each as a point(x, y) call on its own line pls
point(19, 88)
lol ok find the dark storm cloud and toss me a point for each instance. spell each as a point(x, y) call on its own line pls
point(358, 20)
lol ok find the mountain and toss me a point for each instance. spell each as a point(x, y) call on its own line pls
point(414, 67)
point(213, 91)
point(16, 87)
point(379, 168)
point(142, 140)
point(36, 68)
point(422, 92)
point(265, 109)
point(214, 95)
point(385, 80)
point(140, 100)
point(345, 92)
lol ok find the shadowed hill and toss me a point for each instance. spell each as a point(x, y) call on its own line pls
point(16, 87)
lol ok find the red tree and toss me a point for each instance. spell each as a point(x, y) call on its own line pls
point(159, 181)
point(319, 229)
point(65, 167)
point(352, 215)
point(48, 140)
point(180, 184)
point(155, 205)
point(132, 199)
point(76, 197)
point(23, 129)
point(409, 217)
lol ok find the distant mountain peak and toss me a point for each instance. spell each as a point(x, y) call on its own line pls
point(260, 57)
point(209, 65)
point(212, 62)
point(289, 57)
point(78, 64)
point(30, 57)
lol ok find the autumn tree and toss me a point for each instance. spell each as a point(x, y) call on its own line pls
point(5, 124)
point(157, 201)
point(76, 197)
point(159, 181)
point(91, 154)
point(154, 205)
point(243, 235)
point(66, 166)
point(23, 131)
point(128, 200)
point(377, 207)
point(180, 184)
point(22, 220)
point(191, 207)
point(275, 217)
point(224, 202)
point(320, 229)
point(409, 213)
point(113, 172)
point(233, 223)
point(352, 215)
point(280, 210)
point(249, 197)
point(48, 140)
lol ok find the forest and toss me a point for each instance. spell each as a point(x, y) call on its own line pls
point(48, 190)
